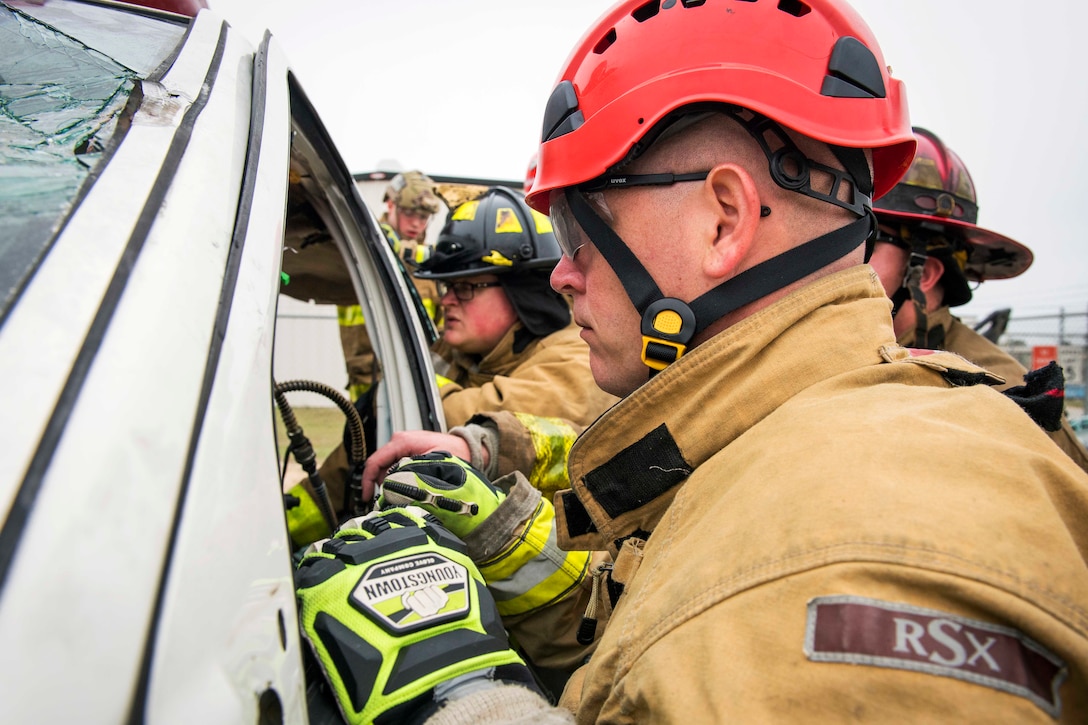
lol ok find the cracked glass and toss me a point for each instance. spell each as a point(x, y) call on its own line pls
point(67, 72)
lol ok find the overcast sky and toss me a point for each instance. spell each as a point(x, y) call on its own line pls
point(458, 88)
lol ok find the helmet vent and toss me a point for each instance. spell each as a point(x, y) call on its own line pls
point(561, 115)
point(647, 11)
point(852, 72)
point(796, 8)
point(605, 42)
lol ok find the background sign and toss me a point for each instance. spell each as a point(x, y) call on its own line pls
point(1041, 355)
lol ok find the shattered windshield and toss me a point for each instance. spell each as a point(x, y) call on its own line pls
point(61, 98)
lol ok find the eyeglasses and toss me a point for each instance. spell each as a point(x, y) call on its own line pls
point(569, 233)
point(931, 239)
point(882, 235)
point(416, 214)
point(618, 181)
point(464, 291)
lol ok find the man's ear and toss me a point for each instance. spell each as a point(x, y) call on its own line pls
point(735, 208)
point(931, 273)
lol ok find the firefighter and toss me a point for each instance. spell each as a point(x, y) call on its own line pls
point(783, 543)
point(410, 202)
point(508, 336)
point(928, 250)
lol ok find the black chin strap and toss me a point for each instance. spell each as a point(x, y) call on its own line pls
point(669, 324)
point(781, 271)
point(637, 282)
point(911, 288)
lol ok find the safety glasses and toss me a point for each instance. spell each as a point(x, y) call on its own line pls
point(464, 291)
point(883, 235)
point(570, 234)
point(416, 214)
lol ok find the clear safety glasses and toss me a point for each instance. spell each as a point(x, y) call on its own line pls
point(569, 232)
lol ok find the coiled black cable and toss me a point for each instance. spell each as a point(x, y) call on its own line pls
point(302, 449)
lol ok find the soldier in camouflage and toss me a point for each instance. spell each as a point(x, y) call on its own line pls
point(410, 202)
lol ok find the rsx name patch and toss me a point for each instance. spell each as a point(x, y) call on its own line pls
point(872, 632)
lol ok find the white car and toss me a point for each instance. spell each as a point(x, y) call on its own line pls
point(162, 183)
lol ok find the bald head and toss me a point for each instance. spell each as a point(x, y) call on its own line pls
point(709, 140)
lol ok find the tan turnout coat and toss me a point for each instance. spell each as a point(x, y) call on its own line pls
point(797, 544)
point(962, 340)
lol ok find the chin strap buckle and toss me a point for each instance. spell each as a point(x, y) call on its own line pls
point(667, 327)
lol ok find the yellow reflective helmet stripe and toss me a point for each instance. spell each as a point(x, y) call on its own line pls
point(466, 211)
point(497, 259)
point(552, 439)
point(543, 223)
point(442, 381)
point(533, 571)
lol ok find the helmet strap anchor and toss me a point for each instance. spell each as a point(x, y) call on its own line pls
point(668, 324)
point(912, 287)
point(667, 327)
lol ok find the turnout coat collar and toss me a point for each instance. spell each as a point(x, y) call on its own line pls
point(628, 466)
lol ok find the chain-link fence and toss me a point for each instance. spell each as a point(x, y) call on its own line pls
point(1034, 340)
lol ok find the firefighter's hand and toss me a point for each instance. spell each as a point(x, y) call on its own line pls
point(393, 610)
point(522, 533)
point(404, 444)
point(444, 485)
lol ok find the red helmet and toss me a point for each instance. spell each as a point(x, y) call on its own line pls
point(811, 65)
point(938, 190)
point(530, 173)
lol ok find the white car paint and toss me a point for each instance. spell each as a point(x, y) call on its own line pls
point(145, 571)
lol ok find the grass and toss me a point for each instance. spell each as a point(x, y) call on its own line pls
point(323, 426)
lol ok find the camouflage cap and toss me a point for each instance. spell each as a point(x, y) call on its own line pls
point(414, 191)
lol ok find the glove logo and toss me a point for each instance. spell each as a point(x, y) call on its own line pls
point(408, 593)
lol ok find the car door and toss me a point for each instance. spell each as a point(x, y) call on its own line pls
point(144, 562)
point(292, 163)
point(106, 340)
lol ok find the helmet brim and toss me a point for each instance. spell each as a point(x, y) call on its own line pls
point(990, 255)
point(485, 269)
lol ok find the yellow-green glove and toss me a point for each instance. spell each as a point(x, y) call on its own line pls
point(455, 492)
point(399, 619)
point(509, 529)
